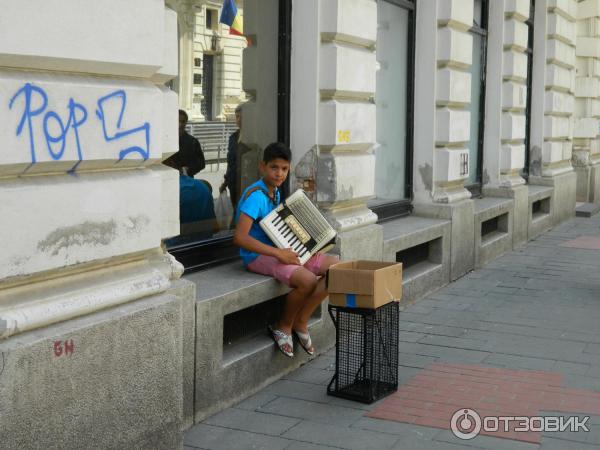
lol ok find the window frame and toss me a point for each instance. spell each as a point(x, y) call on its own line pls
point(475, 188)
point(200, 255)
point(401, 208)
point(211, 15)
point(529, 51)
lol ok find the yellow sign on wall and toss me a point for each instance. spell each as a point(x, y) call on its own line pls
point(343, 136)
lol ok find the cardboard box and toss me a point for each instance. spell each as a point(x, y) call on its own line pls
point(364, 284)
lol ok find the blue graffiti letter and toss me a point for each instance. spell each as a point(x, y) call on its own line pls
point(27, 90)
point(121, 96)
point(75, 123)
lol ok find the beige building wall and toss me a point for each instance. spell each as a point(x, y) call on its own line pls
point(226, 50)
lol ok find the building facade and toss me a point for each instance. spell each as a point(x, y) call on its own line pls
point(209, 84)
point(438, 133)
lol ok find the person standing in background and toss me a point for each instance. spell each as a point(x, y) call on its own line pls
point(231, 179)
point(189, 160)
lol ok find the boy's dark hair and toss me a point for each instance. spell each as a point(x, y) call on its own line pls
point(277, 150)
point(184, 114)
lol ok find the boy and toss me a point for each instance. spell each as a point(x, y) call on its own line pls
point(261, 256)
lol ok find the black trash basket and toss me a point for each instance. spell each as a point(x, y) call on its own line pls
point(366, 352)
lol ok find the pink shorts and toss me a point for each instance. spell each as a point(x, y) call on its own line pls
point(270, 266)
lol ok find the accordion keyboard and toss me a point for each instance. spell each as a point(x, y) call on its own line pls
point(290, 234)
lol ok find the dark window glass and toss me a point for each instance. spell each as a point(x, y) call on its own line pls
point(214, 95)
point(209, 18)
point(477, 106)
point(394, 106)
point(525, 172)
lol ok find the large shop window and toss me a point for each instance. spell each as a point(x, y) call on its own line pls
point(394, 106)
point(477, 107)
point(220, 108)
point(529, 84)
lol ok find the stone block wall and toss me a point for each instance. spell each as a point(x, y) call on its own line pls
point(452, 116)
point(560, 87)
point(85, 206)
point(514, 92)
point(586, 139)
point(85, 127)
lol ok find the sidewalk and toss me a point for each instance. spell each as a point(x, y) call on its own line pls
point(520, 336)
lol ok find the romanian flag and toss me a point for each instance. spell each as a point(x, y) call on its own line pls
point(231, 16)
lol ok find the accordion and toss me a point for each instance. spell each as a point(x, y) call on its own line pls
point(297, 224)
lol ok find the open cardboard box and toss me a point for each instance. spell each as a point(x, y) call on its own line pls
point(364, 284)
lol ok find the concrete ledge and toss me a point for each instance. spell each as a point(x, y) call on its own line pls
point(428, 267)
point(493, 223)
point(112, 379)
point(227, 373)
point(540, 220)
point(587, 210)
point(563, 198)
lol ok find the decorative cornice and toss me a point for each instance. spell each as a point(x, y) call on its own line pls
point(346, 96)
point(347, 39)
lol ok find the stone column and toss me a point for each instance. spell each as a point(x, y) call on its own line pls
point(335, 133)
point(551, 139)
point(586, 142)
point(442, 121)
point(506, 95)
point(259, 82)
point(87, 298)
point(186, 22)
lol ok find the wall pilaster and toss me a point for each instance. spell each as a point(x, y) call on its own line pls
point(85, 200)
point(586, 142)
point(514, 92)
point(453, 94)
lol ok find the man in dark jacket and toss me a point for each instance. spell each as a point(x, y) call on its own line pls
point(189, 160)
point(231, 177)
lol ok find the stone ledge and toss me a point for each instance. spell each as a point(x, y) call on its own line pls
point(224, 377)
point(430, 269)
point(495, 242)
point(489, 207)
point(539, 192)
point(541, 221)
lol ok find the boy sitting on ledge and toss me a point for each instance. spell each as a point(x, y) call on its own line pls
point(261, 256)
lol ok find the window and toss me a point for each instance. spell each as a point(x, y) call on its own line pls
point(529, 51)
point(211, 19)
point(206, 106)
point(204, 240)
point(394, 108)
point(477, 106)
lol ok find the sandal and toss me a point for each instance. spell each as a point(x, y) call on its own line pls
point(281, 339)
point(304, 341)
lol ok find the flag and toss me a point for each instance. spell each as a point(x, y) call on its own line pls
point(231, 16)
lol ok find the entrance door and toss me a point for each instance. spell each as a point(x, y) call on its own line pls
point(206, 105)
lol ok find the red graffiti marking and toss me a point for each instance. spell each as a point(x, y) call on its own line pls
point(64, 348)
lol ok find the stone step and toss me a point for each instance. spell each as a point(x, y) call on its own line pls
point(587, 209)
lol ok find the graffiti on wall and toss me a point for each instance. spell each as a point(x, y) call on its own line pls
point(32, 103)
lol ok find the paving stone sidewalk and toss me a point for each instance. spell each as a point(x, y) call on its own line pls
point(536, 308)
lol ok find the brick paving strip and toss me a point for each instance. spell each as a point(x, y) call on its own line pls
point(587, 242)
point(432, 396)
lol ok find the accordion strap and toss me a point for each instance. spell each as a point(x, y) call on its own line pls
point(257, 188)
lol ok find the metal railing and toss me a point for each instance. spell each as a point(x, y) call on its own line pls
point(214, 138)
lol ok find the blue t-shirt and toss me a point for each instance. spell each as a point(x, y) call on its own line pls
point(195, 200)
point(256, 206)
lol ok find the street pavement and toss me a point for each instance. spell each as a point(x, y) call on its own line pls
point(519, 337)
